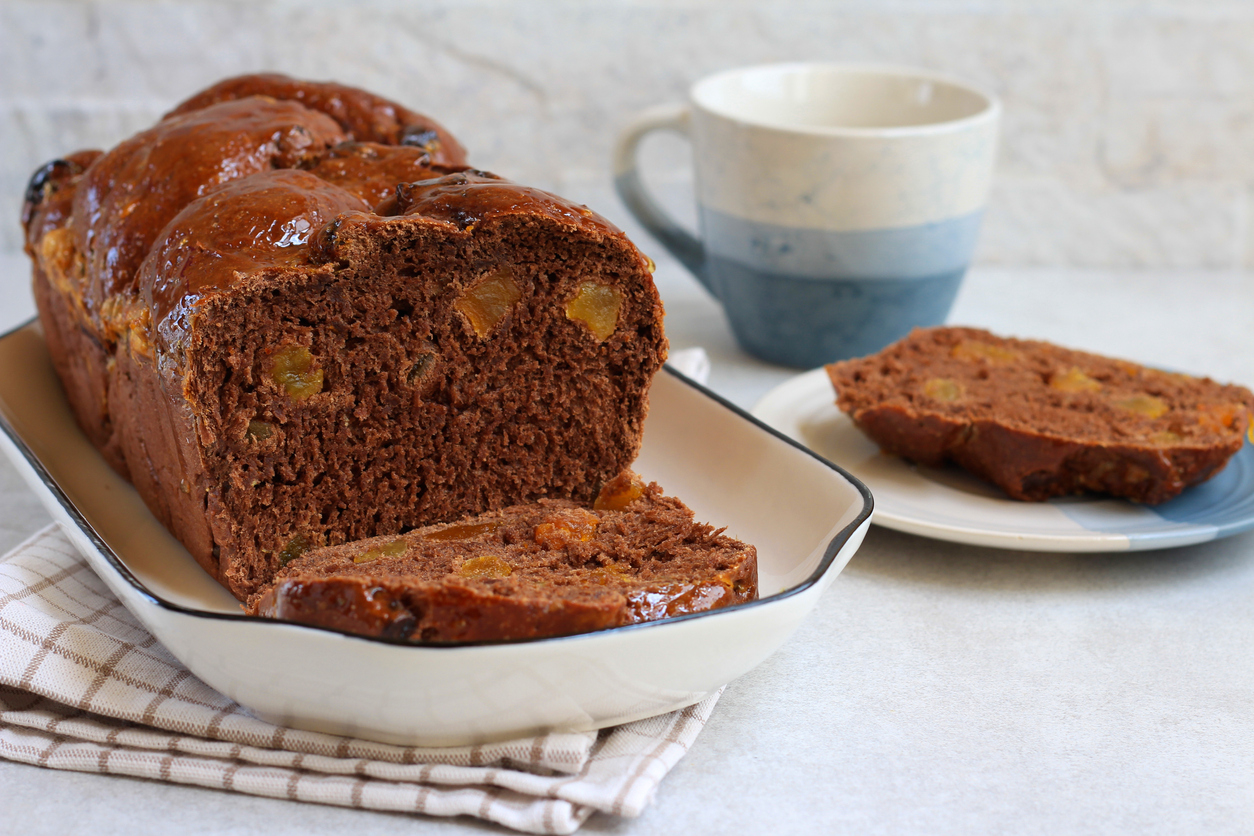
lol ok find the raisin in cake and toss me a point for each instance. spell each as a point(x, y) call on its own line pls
point(1038, 420)
point(293, 317)
point(549, 568)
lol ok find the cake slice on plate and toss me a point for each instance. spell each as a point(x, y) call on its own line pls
point(1038, 420)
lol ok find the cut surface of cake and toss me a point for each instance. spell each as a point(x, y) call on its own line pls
point(1039, 420)
point(549, 568)
point(294, 317)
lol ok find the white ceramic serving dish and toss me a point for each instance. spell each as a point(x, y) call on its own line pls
point(806, 517)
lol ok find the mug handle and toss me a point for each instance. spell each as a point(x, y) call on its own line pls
point(630, 186)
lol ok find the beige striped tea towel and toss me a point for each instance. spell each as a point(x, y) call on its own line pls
point(84, 687)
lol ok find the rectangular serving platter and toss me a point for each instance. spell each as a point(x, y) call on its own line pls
point(806, 516)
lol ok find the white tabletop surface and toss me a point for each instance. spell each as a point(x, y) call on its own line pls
point(938, 688)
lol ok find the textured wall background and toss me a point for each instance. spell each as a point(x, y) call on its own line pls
point(1128, 132)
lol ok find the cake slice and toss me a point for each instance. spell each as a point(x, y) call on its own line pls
point(1038, 420)
point(549, 568)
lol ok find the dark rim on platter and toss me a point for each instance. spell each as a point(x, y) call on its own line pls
point(829, 555)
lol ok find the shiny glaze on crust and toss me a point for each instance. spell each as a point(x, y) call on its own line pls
point(129, 195)
point(468, 198)
point(365, 607)
point(116, 204)
point(437, 612)
point(372, 171)
point(252, 224)
point(364, 116)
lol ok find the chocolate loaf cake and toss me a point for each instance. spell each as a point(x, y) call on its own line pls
point(1040, 421)
point(293, 317)
point(549, 568)
point(92, 218)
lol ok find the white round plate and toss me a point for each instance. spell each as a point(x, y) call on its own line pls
point(948, 504)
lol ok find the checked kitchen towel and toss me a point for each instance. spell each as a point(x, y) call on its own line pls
point(84, 687)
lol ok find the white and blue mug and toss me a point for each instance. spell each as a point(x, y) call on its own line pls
point(839, 205)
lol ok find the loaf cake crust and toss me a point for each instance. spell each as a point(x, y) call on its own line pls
point(550, 568)
point(289, 331)
point(362, 115)
point(93, 217)
point(1039, 420)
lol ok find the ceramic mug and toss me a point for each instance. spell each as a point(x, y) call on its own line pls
point(838, 205)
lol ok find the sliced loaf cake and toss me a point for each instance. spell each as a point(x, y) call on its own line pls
point(549, 568)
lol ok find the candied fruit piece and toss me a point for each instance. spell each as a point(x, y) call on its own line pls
point(619, 492)
point(1147, 405)
point(559, 529)
point(292, 370)
point(56, 252)
point(485, 566)
point(487, 301)
point(462, 532)
point(977, 350)
point(1218, 417)
point(943, 389)
point(1166, 438)
point(395, 548)
point(137, 341)
point(596, 306)
point(608, 574)
point(1073, 380)
point(259, 430)
point(295, 547)
point(674, 598)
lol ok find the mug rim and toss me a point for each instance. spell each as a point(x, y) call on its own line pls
point(990, 111)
